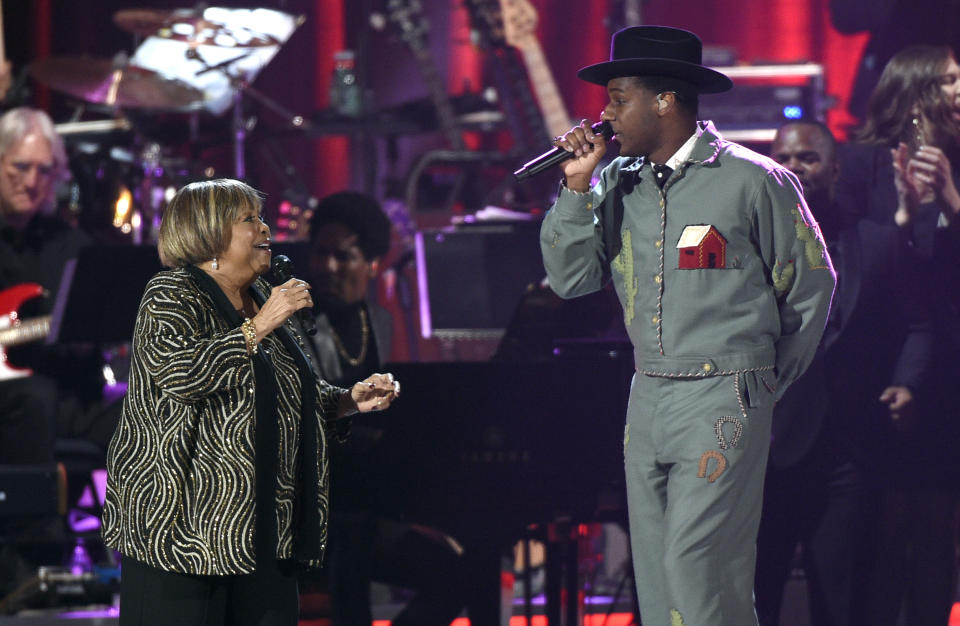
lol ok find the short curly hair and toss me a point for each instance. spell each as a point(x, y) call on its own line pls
point(362, 214)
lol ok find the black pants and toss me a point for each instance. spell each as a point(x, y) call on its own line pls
point(151, 596)
point(364, 548)
point(825, 504)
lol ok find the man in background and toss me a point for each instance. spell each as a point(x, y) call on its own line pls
point(349, 237)
point(831, 428)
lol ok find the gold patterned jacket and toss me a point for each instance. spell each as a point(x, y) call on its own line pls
point(181, 473)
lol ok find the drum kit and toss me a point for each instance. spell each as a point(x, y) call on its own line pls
point(190, 64)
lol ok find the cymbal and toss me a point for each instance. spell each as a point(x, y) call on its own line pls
point(189, 26)
point(101, 81)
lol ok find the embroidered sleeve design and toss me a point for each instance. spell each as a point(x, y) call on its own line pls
point(782, 277)
point(675, 618)
point(809, 234)
point(631, 284)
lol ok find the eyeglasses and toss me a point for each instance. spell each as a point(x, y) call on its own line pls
point(22, 169)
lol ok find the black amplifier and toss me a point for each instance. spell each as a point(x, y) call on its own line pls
point(32, 489)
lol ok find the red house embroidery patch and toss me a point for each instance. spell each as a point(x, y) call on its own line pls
point(701, 246)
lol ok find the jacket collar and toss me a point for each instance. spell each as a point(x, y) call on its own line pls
point(708, 145)
point(705, 150)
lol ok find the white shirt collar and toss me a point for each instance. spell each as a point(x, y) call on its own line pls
point(682, 153)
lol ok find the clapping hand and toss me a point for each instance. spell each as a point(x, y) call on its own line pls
point(909, 189)
point(930, 167)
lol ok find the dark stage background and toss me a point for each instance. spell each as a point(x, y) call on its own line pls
point(377, 153)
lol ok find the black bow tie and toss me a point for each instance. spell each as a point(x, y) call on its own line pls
point(661, 174)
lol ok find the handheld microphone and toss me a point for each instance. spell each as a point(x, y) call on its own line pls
point(555, 156)
point(282, 268)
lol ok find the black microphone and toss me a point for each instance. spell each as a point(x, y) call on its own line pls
point(555, 156)
point(282, 268)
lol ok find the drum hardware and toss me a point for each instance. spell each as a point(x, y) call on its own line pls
point(208, 27)
point(296, 208)
point(190, 60)
point(114, 82)
point(242, 126)
point(125, 187)
point(219, 51)
point(67, 129)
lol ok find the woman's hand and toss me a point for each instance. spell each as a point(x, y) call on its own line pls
point(588, 148)
point(375, 393)
point(284, 301)
point(909, 190)
point(931, 168)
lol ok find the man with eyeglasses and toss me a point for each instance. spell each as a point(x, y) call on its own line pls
point(34, 246)
point(34, 243)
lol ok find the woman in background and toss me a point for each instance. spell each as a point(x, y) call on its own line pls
point(904, 168)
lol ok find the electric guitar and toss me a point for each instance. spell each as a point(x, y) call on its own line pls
point(14, 331)
point(521, 110)
point(411, 26)
point(520, 30)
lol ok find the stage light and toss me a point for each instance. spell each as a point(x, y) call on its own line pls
point(121, 208)
point(793, 112)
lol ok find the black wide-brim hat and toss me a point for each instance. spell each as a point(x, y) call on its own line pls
point(657, 51)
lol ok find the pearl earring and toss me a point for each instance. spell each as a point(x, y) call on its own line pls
point(215, 265)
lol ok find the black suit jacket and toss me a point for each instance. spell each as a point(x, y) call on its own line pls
point(878, 335)
point(927, 452)
point(866, 186)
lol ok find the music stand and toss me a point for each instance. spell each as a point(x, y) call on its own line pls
point(100, 292)
point(233, 61)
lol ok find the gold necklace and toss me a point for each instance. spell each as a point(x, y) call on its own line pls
point(364, 340)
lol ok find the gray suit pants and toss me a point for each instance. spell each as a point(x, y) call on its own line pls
point(695, 452)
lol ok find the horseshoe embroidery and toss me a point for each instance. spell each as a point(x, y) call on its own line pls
point(705, 459)
point(737, 431)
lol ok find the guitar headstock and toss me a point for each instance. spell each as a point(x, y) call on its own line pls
point(409, 22)
point(487, 22)
point(519, 22)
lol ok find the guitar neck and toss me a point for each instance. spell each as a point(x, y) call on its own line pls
point(407, 17)
point(554, 113)
point(446, 116)
point(24, 332)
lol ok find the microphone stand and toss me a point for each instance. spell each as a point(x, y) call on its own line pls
point(239, 136)
point(242, 126)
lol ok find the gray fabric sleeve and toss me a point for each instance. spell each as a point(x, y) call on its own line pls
point(799, 268)
point(572, 246)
